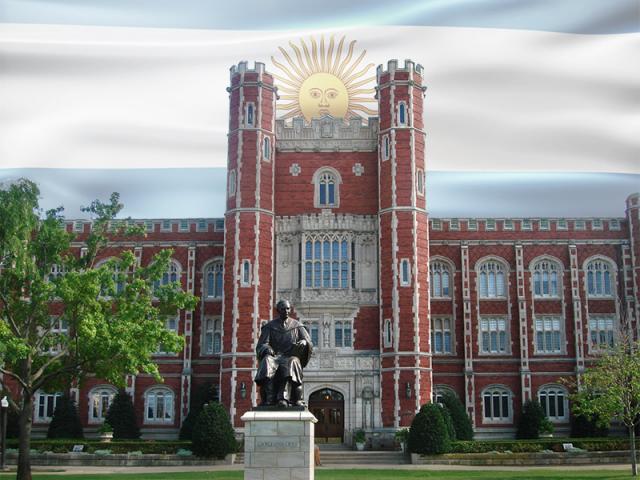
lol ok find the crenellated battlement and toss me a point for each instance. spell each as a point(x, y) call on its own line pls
point(243, 67)
point(392, 67)
point(327, 134)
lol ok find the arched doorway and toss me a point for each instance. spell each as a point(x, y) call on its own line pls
point(328, 407)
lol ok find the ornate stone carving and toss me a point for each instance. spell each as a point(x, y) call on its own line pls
point(295, 169)
point(357, 169)
point(327, 134)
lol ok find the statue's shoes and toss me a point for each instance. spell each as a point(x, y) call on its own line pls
point(283, 403)
point(301, 403)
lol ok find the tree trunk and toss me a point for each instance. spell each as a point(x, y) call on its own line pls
point(632, 445)
point(24, 455)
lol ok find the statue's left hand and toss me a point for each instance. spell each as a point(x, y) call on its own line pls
point(302, 343)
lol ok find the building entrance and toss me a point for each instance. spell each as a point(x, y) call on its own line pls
point(328, 407)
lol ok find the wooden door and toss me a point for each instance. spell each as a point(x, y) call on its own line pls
point(328, 407)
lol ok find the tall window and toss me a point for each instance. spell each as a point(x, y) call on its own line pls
point(388, 333)
point(402, 113)
point(327, 263)
point(548, 334)
point(213, 280)
point(343, 334)
point(554, 402)
point(45, 404)
point(496, 404)
point(314, 333)
point(171, 275)
point(59, 330)
point(442, 335)
point(492, 280)
point(266, 148)
point(159, 406)
point(100, 399)
point(114, 265)
point(232, 183)
point(440, 276)
point(599, 279)
point(212, 336)
point(170, 324)
point(545, 279)
point(250, 115)
point(601, 331)
point(386, 147)
point(494, 335)
point(327, 190)
point(420, 181)
point(405, 272)
point(245, 279)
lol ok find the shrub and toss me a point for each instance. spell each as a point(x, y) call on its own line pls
point(213, 434)
point(65, 422)
point(584, 427)
point(143, 446)
point(428, 432)
point(122, 417)
point(446, 416)
point(531, 420)
point(203, 394)
point(459, 417)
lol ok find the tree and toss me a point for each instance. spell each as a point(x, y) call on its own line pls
point(459, 417)
point(610, 389)
point(204, 393)
point(531, 420)
point(429, 433)
point(113, 317)
point(65, 422)
point(213, 435)
point(122, 417)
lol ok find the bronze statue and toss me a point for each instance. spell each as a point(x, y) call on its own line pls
point(283, 350)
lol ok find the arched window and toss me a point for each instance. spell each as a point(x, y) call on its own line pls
point(439, 391)
point(327, 190)
point(45, 404)
point(554, 402)
point(170, 276)
point(440, 279)
point(402, 113)
point(420, 181)
point(266, 148)
point(599, 278)
point(388, 333)
point(545, 279)
point(250, 115)
point(232, 183)
point(56, 271)
point(386, 147)
point(405, 272)
point(491, 280)
point(100, 399)
point(497, 405)
point(213, 280)
point(212, 342)
point(327, 262)
point(114, 265)
point(245, 279)
point(159, 405)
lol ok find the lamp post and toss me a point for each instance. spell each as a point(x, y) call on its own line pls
point(4, 406)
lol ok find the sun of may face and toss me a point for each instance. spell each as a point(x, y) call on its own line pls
point(324, 80)
point(322, 94)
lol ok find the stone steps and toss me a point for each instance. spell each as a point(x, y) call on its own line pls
point(352, 457)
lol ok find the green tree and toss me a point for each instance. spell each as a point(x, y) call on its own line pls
point(531, 420)
point(459, 417)
point(65, 422)
point(203, 394)
point(122, 417)
point(429, 432)
point(114, 318)
point(610, 389)
point(213, 435)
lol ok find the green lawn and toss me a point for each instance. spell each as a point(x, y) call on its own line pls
point(363, 475)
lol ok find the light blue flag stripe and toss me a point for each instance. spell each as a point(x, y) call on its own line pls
point(569, 16)
point(199, 192)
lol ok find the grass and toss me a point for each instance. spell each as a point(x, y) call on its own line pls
point(361, 474)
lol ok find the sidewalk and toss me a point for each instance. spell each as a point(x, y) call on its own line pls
point(213, 468)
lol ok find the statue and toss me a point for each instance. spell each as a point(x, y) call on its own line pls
point(283, 350)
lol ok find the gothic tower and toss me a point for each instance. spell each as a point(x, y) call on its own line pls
point(404, 245)
point(249, 232)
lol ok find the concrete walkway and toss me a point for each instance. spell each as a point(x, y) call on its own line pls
point(213, 468)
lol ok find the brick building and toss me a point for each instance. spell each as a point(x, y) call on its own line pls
point(332, 215)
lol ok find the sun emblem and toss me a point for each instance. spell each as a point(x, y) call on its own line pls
point(323, 81)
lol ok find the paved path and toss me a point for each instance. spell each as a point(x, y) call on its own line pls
point(211, 468)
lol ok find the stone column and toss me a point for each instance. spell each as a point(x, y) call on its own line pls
point(278, 445)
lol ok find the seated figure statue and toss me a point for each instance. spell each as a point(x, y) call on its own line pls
point(283, 350)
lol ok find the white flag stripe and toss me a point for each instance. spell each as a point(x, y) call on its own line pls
point(498, 100)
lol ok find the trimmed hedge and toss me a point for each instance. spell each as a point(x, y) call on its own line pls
point(90, 446)
point(65, 422)
point(459, 417)
point(531, 420)
point(213, 435)
point(530, 446)
point(122, 417)
point(429, 432)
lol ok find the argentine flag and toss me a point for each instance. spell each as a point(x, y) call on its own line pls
point(532, 107)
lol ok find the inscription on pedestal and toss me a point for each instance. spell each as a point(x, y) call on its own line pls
point(276, 444)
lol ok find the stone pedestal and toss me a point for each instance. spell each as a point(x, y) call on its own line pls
point(278, 445)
